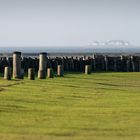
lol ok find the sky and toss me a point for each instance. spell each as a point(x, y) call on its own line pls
point(68, 22)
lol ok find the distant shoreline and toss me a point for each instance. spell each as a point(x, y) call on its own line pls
point(68, 51)
point(69, 54)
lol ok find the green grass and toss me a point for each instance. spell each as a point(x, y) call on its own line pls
point(101, 106)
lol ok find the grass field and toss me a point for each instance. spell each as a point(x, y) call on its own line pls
point(100, 106)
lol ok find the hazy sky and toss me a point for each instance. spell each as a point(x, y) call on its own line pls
point(68, 22)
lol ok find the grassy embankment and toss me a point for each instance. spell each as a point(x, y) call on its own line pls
point(101, 106)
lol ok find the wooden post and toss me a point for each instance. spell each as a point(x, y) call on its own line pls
point(17, 65)
point(59, 71)
point(115, 64)
point(7, 73)
point(106, 63)
point(87, 69)
point(31, 74)
point(133, 64)
point(42, 66)
point(50, 73)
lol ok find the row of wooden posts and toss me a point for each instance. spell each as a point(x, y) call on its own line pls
point(31, 73)
point(112, 63)
point(43, 71)
point(41, 74)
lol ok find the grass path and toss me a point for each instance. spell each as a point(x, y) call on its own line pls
point(101, 106)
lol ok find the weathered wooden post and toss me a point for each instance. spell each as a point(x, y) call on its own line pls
point(121, 61)
point(133, 65)
point(87, 69)
point(31, 74)
point(127, 65)
point(50, 73)
point(115, 64)
point(60, 71)
point(7, 73)
point(22, 73)
point(106, 63)
point(42, 65)
point(17, 65)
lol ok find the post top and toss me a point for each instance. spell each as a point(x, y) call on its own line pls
point(43, 53)
point(16, 52)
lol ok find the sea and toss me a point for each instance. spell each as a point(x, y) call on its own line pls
point(33, 51)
